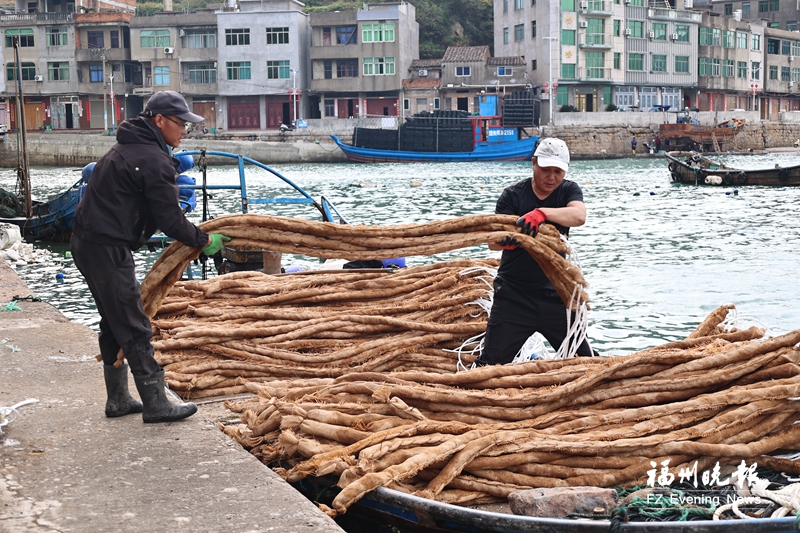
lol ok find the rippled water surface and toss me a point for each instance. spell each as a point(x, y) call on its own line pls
point(659, 257)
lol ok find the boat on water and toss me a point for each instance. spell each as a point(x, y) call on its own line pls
point(686, 133)
point(497, 133)
point(692, 168)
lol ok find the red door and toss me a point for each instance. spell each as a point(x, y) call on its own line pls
point(243, 113)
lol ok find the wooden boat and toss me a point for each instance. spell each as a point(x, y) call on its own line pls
point(386, 510)
point(687, 134)
point(52, 219)
point(694, 169)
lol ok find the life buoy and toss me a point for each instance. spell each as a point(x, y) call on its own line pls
point(676, 177)
point(699, 175)
point(727, 179)
point(741, 177)
point(783, 175)
point(673, 167)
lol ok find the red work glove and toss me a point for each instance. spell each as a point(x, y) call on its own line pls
point(530, 222)
point(508, 243)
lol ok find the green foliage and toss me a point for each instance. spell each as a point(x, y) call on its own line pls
point(438, 20)
point(611, 107)
point(566, 108)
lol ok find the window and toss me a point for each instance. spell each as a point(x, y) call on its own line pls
point(741, 69)
point(567, 37)
point(56, 36)
point(237, 37)
point(755, 70)
point(704, 66)
point(795, 74)
point(154, 38)
point(745, 8)
point(776, 25)
point(27, 71)
point(517, 4)
point(636, 27)
point(785, 74)
point(238, 70)
point(533, 64)
point(795, 48)
point(347, 68)
point(505, 71)
point(505, 35)
point(768, 5)
point(95, 73)
point(278, 70)
point(786, 47)
point(379, 66)
point(595, 31)
point(727, 68)
point(519, 32)
point(741, 40)
point(377, 33)
point(617, 60)
point(463, 71)
point(683, 33)
point(659, 31)
point(533, 29)
point(791, 25)
point(568, 71)
point(406, 104)
point(567, 5)
point(728, 40)
point(437, 103)
point(58, 71)
point(594, 65)
point(25, 36)
point(160, 75)
point(278, 35)
point(346, 35)
point(635, 61)
point(711, 37)
point(202, 73)
point(330, 108)
point(422, 104)
point(617, 24)
point(114, 38)
point(773, 72)
point(201, 39)
point(327, 71)
point(682, 64)
point(728, 9)
point(505, 6)
point(755, 41)
point(715, 68)
point(95, 39)
point(773, 46)
point(562, 96)
point(658, 63)
point(625, 97)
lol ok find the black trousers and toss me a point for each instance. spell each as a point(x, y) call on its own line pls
point(111, 276)
point(516, 315)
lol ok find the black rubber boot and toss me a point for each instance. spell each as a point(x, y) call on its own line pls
point(157, 407)
point(120, 402)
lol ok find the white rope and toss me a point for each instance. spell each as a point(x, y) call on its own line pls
point(7, 412)
point(734, 506)
point(734, 321)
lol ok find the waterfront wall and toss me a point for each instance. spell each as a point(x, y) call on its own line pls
point(584, 133)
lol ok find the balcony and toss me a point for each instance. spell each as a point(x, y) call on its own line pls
point(663, 13)
point(93, 55)
point(597, 41)
point(45, 18)
point(594, 74)
point(596, 7)
point(145, 88)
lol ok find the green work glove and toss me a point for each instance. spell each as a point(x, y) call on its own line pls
point(218, 241)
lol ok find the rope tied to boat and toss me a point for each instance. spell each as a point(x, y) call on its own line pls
point(618, 516)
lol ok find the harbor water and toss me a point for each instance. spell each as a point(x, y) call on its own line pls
point(658, 256)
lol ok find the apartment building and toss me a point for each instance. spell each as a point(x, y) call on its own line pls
point(358, 60)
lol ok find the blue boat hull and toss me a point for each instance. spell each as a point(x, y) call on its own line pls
point(521, 150)
point(51, 220)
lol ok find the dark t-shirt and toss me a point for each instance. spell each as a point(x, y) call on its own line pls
point(517, 266)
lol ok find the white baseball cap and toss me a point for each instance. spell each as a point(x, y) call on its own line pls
point(552, 152)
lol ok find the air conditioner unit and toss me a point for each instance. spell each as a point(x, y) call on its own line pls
point(584, 5)
point(652, 35)
point(674, 36)
point(423, 72)
point(791, 84)
point(627, 31)
point(169, 50)
point(584, 24)
point(791, 58)
point(38, 77)
point(181, 33)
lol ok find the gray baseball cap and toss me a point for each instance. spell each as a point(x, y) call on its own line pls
point(170, 103)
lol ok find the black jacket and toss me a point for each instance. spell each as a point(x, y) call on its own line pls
point(132, 192)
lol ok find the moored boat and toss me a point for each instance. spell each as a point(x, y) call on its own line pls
point(687, 133)
point(694, 169)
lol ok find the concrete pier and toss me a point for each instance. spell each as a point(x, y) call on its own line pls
point(65, 467)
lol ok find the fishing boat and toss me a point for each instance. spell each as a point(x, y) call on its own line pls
point(694, 169)
point(52, 219)
point(497, 133)
point(387, 510)
point(687, 133)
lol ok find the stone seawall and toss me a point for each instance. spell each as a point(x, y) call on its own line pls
point(55, 148)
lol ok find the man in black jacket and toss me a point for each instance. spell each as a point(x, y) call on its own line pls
point(132, 192)
point(525, 301)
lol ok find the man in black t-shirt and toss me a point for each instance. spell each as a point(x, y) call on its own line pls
point(524, 299)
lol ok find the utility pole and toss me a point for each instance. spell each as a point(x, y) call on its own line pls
point(105, 92)
point(550, 87)
point(113, 107)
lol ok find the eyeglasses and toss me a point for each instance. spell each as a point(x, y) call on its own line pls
point(185, 125)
